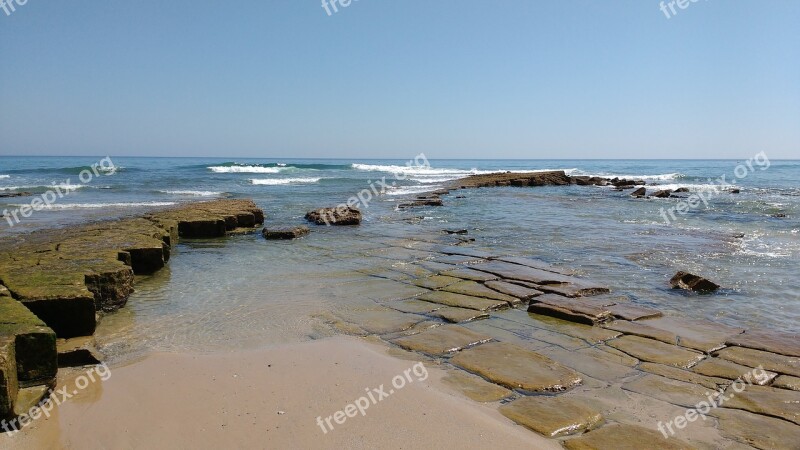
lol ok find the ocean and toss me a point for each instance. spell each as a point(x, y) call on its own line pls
point(245, 291)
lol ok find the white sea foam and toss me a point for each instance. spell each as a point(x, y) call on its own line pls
point(101, 205)
point(691, 187)
point(282, 181)
point(5, 176)
point(193, 193)
point(245, 169)
point(406, 190)
point(63, 187)
point(658, 177)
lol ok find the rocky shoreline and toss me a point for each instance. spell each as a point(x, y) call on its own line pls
point(562, 355)
point(55, 284)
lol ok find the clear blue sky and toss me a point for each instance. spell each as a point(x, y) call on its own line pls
point(389, 79)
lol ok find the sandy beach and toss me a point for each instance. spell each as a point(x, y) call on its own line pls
point(271, 399)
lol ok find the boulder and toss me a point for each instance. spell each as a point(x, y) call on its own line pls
point(340, 215)
point(664, 193)
point(690, 282)
point(273, 234)
point(682, 190)
point(735, 191)
point(433, 201)
point(639, 193)
point(14, 194)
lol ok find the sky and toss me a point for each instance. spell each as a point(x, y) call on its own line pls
point(513, 79)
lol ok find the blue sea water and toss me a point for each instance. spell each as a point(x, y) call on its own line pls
point(747, 242)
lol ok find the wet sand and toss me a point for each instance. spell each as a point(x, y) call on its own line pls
point(271, 398)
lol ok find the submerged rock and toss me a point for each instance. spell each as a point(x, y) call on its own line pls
point(552, 416)
point(517, 368)
point(285, 233)
point(690, 282)
point(664, 193)
point(340, 215)
point(639, 193)
point(14, 194)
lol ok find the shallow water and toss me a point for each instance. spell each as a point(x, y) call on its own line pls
point(246, 292)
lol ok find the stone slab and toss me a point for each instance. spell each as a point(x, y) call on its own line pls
point(770, 341)
point(442, 340)
point(786, 365)
point(463, 301)
point(517, 368)
point(552, 416)
point(656, 352)
point(475, 388)
point(721, 368)
point(624, 437)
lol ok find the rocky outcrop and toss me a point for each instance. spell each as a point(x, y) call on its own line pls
point(664, 193)
point(66, 279)
point(639, 193)
point(689, 282)
point(340, 215)
point(14, 194)
point(274, 234)
point(27, 352)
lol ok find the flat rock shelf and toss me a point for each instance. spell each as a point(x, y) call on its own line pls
point(54, 284)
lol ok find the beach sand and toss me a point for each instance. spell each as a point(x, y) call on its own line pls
point(270, 398)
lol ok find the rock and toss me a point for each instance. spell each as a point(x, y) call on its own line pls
point(475, 388)
point(535, 264)
point(701, 335)
point(787, 382)
point(720, 368)
point(754, 358)
point(665, 193)
point(656, 351)
point(459, 315)
point(668, 390)
point(517, 368)
point(639, 193)
point(14, 195)
point(552, 416)
point(78, 352)
point(689, 282)
point(340, 215)
point(633, 312)
point(735, 191)
point(470, 274)
point(463, 301)
point(475, 289)
point(681, 190)
point(764, 400)
point(34, 344)
point(381, 320)
point(580, 311)
point(779, 216)
point(285, 233)
point(435, 282)
point(442, 340)
point(9, 386)
point(419, 203)
point(514, 290)
point(624, 437)
point(761, 432)
point(455, 231)
point(684, 375)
